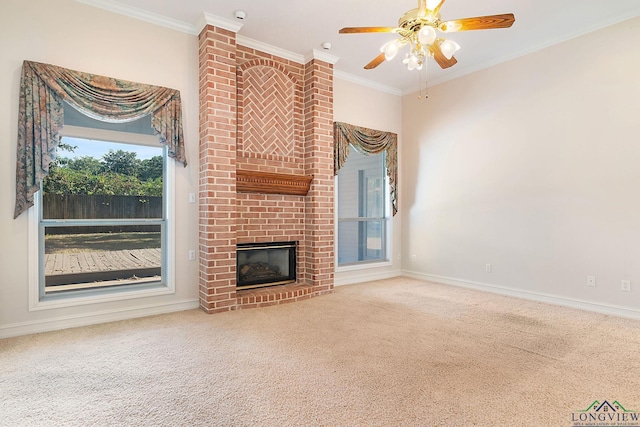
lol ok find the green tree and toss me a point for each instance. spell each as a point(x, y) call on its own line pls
point(151, 169)
point(62, 147)
point(152, 187)
point(87, 164)
point(122, 162)
point(118, 173)
point(62, 180)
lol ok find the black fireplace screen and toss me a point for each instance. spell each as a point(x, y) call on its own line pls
point(265, 264)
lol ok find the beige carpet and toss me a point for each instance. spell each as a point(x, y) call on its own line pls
point(392, 353)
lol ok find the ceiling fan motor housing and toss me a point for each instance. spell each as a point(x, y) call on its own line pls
point(411, 21)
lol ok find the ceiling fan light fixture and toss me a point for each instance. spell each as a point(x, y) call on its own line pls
point(449, 48)
point(390, 49)
point(418, 28)
point(427, 35)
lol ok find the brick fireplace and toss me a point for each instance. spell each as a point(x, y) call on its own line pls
point(263, 119)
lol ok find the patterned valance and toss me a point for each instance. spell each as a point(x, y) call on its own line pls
point(44, 87)
point(367, 141)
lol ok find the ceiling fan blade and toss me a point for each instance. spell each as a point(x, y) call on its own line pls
point(442, 60)
point(479, 23)
point(376, 61)
point(356, 30)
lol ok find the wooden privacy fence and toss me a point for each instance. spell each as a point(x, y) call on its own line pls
point(77, 206)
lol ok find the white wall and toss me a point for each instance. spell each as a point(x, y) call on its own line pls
point(376, 109)
point(80, 37)
point(532, 166)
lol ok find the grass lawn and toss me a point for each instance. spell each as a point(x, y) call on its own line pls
point(75, 243)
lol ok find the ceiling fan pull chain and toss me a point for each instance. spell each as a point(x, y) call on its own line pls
point(426, 82)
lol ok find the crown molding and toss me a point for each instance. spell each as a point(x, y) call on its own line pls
point(210, 19)
point(367, 83)
point(322, 56)
point(270, 49)
point(142, 15)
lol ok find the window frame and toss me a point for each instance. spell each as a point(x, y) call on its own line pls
point(385, 260)
point(39, 301)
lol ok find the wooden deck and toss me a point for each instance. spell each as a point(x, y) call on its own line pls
point(89, 262)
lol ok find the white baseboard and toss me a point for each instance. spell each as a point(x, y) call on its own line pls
point(530, 295)
point(364, 277)
point(53, 324)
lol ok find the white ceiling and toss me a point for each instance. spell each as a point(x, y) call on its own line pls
point(300, 27)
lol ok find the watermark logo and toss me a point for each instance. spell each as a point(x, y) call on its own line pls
point(605, 413)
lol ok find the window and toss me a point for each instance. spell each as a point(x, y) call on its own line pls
point(362, 209)
point(103, 214)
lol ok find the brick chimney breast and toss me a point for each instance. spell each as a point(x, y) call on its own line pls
point(283, 114)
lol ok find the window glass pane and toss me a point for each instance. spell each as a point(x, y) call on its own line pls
point(81, 257)
point(104, 180)
point(361, 186)
point(102, 223)
point(372, 238)
point(361, 209)
point(348, 242)
point(74, 117)
point(372, 197)
point(360, 241)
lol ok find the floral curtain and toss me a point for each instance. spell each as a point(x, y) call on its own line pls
point(367, 141)
point(44, 87)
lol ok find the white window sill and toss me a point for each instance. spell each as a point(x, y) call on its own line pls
point(98, 297)
point(363, 266)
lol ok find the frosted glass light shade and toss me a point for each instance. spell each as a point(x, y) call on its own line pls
point(427, 35)
point(412, 64)
point(390, 49)
point(449, 47)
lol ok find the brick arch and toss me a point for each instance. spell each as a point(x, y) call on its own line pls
point(269, 109)
point(268, 63)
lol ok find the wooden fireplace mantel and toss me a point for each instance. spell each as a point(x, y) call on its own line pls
point(272, 183)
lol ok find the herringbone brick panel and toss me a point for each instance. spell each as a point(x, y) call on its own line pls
point(268, 124)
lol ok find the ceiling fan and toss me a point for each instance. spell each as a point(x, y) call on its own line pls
point(418, 29)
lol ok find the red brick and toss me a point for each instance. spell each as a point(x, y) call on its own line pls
point(227, 217)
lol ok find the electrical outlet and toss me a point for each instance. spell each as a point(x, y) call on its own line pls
point(487, 268)
point(591, 281)
point(192, 255)
point(626, 286)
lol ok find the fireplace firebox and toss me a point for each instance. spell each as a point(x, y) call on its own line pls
point(265, 264)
